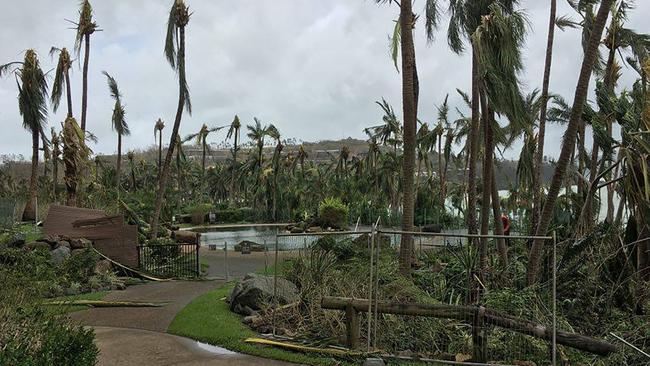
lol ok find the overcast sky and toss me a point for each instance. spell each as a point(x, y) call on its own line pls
point(313, 68)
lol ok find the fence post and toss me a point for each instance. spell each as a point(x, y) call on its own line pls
point(198, 261)
point(554, 340)
point(275, 283)
point(371, 246)
point(479, 342)
point(225, 258)
point(352, 326)
point(266, 258)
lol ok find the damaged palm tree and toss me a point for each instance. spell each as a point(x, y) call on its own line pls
point(61, 76)
point(32, 103)
point(75, 154)
point(157, 131)
point(85, 28)
point(179, 16)
point(118, 123)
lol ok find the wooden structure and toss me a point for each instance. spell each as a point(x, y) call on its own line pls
point(471, 314)
point(109, 234)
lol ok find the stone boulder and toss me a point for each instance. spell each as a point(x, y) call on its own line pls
point(37, 245)
point(80, 243)
point(254, 247)
point(62, 243)
point(314, 229)
point(103, 266)
point(16, 241)
point(59, 255)
point(254, 292)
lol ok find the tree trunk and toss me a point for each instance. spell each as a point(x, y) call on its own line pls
point(409, 105)
point(539, 153)
point(55, 175)
point(162, 181)
point(234, 167)
point(486, 118)
point(118, 169)
point(502, 248)
point(568, 142)
point(440, 176)
point(68, 92)
point(29, 214)
point(473, 137)
point(159, 151)
point(203, 161)
point(594, 166)
point(84, 92)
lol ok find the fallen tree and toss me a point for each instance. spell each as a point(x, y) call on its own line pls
point(463, 313)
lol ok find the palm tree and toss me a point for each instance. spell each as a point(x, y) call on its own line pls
point(539, 152)
point(62, 75)
point(75, 154)
point(390, 132)
point(131, 157)
point(233, 132)
point(119, 124)
point(403, 35)
point(85, 28)
point(157, 130)
point(202, 140)
point(32, 103)
point(56, 153)
point(257, 133)
point(274, 133)
point(179, 16)
point(568, 142)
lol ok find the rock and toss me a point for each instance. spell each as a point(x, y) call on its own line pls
point(75, 252)
point(374, 362)
point(254, 291)
point(103, 266)
point(62, 243)
point(296, 230)
point(52, 239)
point(188, 237)
point(254, 247)
point(16, 241)
point(59, 255)
point(361, 241)
point(37, 245)
point(80, 243)
point(433, 228)
point(314, 229)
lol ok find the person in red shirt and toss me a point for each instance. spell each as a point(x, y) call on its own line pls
point(506, 224)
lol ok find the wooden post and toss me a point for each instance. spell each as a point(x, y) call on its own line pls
point(352, 326)
point(479, 341)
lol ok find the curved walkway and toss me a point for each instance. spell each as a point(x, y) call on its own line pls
point(121, 347)
point(136, 336)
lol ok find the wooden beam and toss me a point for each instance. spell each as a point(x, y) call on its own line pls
point(467, 314)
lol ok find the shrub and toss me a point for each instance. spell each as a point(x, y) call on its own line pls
point(199, 212)
point(332, 212)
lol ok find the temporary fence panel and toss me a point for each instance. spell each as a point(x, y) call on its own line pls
point(170, 260)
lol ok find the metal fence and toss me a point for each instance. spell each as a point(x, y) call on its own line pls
point(7, 213)
point(170, 260)
point(447, 265)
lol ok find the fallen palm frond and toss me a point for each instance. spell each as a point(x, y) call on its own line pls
point(129, 269)
point(301, 348)
point(106, 304)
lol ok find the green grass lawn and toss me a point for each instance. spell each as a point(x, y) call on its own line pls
point(208, 319)
point(65, 309)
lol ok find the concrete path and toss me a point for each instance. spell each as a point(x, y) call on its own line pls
point(121, 347)
point(178, 293)
point(136, 336)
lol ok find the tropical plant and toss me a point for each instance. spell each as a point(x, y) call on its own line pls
point(61, 76)
point(32, 104)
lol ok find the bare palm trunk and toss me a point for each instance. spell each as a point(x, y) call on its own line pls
point(29, 214)
point(473, 137)
point(84, 93)
point(162, 182)
point(68, 92)
point(55, 175)
point(594, 166)
point(502, 248)
point(118, 169)
point(409, 103)
point(486, 118)
point(234, 167)
point(159, 151)
point(568, 142)
point(539, 153)
point(440, 176)
point(203, 161)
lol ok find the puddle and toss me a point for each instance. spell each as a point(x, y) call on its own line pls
point(214, 349)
